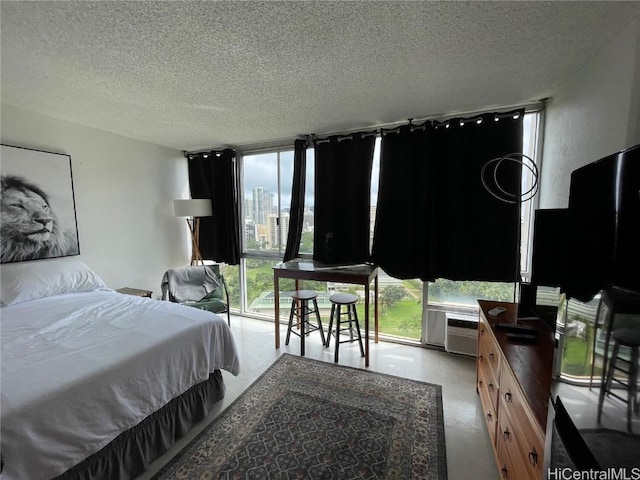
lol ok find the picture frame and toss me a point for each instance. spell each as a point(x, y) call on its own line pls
point(38, 210)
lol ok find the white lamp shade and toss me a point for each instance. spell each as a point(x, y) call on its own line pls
point(192, 207)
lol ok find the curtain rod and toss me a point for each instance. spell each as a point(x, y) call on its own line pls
point(285, 143)
point(212, 151)
point(413, 127)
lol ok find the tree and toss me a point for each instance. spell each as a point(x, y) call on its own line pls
point(252, 244)
point(391, 294)
point(306, 242)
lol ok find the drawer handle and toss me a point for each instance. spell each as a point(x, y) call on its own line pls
point(507, 396)
point(491, 387)
point(489, 417)
point(504, 471)
point(491, 355)
point(533, 457)
point(482, 331)
point(506, 435)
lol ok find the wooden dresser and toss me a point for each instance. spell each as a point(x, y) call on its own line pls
point(514, 384)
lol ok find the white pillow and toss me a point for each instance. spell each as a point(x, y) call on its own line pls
point(25, 281)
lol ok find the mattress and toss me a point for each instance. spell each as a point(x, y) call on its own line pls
point(79, 369)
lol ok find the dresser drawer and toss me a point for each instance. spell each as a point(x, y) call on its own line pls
point(489, 410)
point(516, 416)
point(510, 464)
point(488, 379)
point(488, 348)
point(524, 452)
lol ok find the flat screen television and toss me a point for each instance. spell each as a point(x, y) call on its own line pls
point(603, 236)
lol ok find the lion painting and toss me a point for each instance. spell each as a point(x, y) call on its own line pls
point(30, 228)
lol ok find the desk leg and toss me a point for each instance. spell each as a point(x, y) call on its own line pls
point(366, 325)
point(375, 307)
point(276, 295)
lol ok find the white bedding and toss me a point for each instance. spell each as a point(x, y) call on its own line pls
point(78, 369)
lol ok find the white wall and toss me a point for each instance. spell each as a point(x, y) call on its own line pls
point(124, 190)
point(596, 114)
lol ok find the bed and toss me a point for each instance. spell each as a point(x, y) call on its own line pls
point(96, 384)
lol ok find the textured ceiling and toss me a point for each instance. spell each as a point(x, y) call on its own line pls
point(193, 75)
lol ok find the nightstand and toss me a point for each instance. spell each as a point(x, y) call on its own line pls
point(135, 291)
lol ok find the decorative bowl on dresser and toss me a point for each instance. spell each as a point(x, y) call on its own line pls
point(514, 384)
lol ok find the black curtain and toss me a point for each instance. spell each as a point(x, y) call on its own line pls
point(471, 234)
point(477, 234)
point(213, 175)
point(404, 216)
point(342, 198)
point(296, 212)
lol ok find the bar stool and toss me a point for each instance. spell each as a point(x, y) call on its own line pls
point(613, 301)
point(301, 310)
point(626, 337)
point(338, 300)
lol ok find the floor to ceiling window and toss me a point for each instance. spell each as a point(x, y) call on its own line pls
point(266, 188)
point(266, 184)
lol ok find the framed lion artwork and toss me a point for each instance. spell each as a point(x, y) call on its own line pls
point(38, 211)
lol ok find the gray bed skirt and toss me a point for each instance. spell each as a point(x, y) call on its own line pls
point(129, 454)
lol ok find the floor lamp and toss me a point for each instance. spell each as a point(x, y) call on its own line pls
point(193, 209)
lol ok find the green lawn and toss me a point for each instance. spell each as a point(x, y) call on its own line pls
point(576, 357)
point(402, 319)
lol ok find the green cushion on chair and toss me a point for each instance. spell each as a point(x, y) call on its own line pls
point(215, 305)
point(214, 294)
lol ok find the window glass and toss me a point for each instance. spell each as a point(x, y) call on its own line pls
point(231, 275)
point(468, 293)
point(578, 329)
point(306, 241)
point(400, 306)
point(260, 294)
point(529, 147)
point(267, 180)
point(260, 185)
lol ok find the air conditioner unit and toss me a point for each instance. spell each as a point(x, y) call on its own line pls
point(461, 334)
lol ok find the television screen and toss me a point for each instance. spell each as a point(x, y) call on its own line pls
point(603, 226)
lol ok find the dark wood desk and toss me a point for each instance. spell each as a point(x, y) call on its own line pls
point(302, 269)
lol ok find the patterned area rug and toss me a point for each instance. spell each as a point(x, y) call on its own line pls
point(306, 419)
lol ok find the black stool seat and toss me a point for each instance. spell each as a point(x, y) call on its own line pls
point(629, 338)
point(304, 294)
point(301, 311)
point(348, 300)
point(343, 298)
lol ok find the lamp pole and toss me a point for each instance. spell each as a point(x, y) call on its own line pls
point(193, 209)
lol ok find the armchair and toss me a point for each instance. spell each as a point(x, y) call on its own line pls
point(198, 286)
